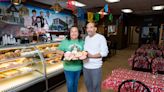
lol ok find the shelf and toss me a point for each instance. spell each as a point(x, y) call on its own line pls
point(18, 66)
point(54, 69)
point(10, 59)
point(23, 73)
point(30, 45)
point(20, 82)
point(27, 80)
point(46, 59)
point(48, 52)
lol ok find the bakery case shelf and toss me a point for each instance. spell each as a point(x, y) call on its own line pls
point(24, 66)
point(3, 69)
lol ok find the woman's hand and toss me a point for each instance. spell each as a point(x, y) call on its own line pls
point(60, 52)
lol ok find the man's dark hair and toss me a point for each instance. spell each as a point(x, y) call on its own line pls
point(34, 11)
point(69, 36)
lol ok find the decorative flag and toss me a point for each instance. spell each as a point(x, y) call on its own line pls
point(110, 17)
point(80, 13)
point(102, 13)
point(71, 6)
point(90, 17)
point(97, 17)
point(106, 8)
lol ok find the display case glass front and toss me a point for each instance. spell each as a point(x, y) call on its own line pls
point(23, 66)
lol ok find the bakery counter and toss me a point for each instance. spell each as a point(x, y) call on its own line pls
point(27, 80)
point(2, 47)
point(54, 69)
point(55, 76)
point(22, 68)
point(18, 83)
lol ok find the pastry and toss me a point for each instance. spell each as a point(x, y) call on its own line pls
point(2, 57)
point(4, 65)
point(2, 76)
point(83, 57)
point(11, 73)
point(53, 48)
point(25, 69)
point(17, 51)
point(50, 55)
point(51, 61)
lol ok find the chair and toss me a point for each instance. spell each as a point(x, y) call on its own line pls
point(133, 86)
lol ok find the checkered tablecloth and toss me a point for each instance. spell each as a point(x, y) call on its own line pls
point(154, 82)
point(157, 65)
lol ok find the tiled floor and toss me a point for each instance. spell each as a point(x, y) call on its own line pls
point(119, 60)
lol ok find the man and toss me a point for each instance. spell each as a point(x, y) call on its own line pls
point(34, 17)
point(42, 19)
point(48, 19)
point(96, 46)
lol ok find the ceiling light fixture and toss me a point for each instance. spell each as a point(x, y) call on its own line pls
point(159, 7)
point(112, 1)
point(78, 4)
point(16, 2)
point(127, 10)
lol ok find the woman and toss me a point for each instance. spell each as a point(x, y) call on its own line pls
point(72, 68)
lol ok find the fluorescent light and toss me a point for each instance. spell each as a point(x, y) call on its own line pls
point(78, 4)
point(127, 10)
point(160, 7)
point(104, 13)
point(16, 3)
point(112, 1)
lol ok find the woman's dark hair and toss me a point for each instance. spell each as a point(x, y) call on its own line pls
point(69, 31)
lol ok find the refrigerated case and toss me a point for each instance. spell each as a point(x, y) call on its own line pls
point(24, 66)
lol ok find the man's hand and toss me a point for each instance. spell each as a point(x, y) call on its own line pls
point(86, 60)
point(98, 55)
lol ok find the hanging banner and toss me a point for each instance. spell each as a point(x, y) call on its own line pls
point(110, 17)
point(97, 17)
point(102, 13)
point(106, 8)
point(90, 17)
point(80, 13)
point(71, 6)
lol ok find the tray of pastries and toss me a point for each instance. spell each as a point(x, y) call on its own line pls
point(15, 63)
point(15, 72)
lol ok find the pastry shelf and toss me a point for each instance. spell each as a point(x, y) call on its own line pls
point(11, 59)
point(15, 67)
point(16, 75)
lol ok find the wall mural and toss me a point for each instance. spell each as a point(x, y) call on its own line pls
point(13, 18)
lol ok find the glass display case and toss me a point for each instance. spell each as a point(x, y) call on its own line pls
point(23, 66)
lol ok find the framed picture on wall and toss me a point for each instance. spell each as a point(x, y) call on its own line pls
point(161, 38)
point(162, 32)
